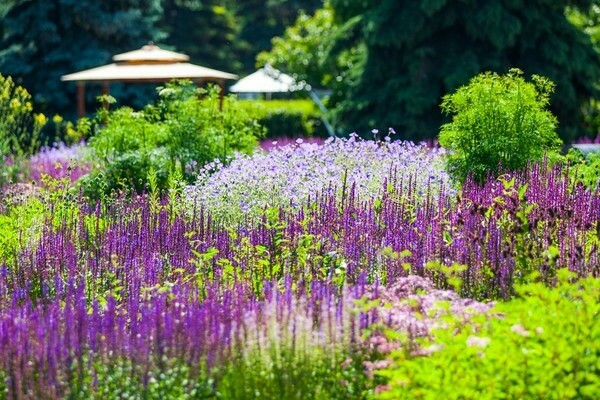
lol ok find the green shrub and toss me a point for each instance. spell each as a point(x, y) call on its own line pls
point(584, 169)
point(20, 215)
point(280, 374)
point(543, 345)
point(185, 129)
point(127, 172)
point(19, 128)
point(286, 118)
point(317, 374)
point(499, 122)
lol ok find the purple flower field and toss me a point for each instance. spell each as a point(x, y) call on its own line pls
point(293, 273)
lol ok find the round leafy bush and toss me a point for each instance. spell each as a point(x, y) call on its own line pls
point(187, 128)
point(500, 122)
point(542, 345)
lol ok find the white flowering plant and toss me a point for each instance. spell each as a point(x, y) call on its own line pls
point(290, 175)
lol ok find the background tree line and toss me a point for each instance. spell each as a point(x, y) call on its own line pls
point(387, 63)
point(41, 40)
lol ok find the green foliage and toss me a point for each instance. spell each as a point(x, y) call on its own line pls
point(261, 20)
point(591, 118)
point(128, 145)
point(5, 6)
point(18, 221)
point(216, 44)
point(19, 128)
point(542, 345)
point(584, 170)
point(202, 129)
point(303, 48)
point(500, 122)
point(274, 373)
point(185, 129)
point(321, 52)
point(25, 208)
point(416, 51)
point(588, 20)
point(121, 378)
point(287, 118)
point(288, 373)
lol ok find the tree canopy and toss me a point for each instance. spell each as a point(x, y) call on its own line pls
point(416, 51)
point(43, 40)
point(262, 20)
point(302, 50)
point(389, 64)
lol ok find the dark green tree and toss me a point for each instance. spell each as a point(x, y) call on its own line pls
point(206, 30)
point(302, 49)
point(588, 20)
point(261, 20)
point(416, 51)
point(45, 39)
point(5, 6)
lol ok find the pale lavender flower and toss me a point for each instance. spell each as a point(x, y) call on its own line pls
point(59, 161)
point(292, 174)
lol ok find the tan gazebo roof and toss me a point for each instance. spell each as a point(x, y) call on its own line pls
point(148, 64)
point(147, 72)
point(151, 52)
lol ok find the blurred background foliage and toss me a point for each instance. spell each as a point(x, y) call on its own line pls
point(42, 40)
point(284, 118)
point(386, 63)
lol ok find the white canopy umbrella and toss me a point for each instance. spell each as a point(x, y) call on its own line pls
point(268, 80)
point(586, 148)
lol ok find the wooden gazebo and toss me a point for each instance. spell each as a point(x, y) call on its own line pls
point(148, 64)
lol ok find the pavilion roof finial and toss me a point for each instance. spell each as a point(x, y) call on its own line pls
point(150, 53)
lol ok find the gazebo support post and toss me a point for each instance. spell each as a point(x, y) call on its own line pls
point(221, 84)
point(105, 92)
point(199, 83)
point(81, 99)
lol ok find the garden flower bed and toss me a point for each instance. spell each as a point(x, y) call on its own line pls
point(350, 270)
